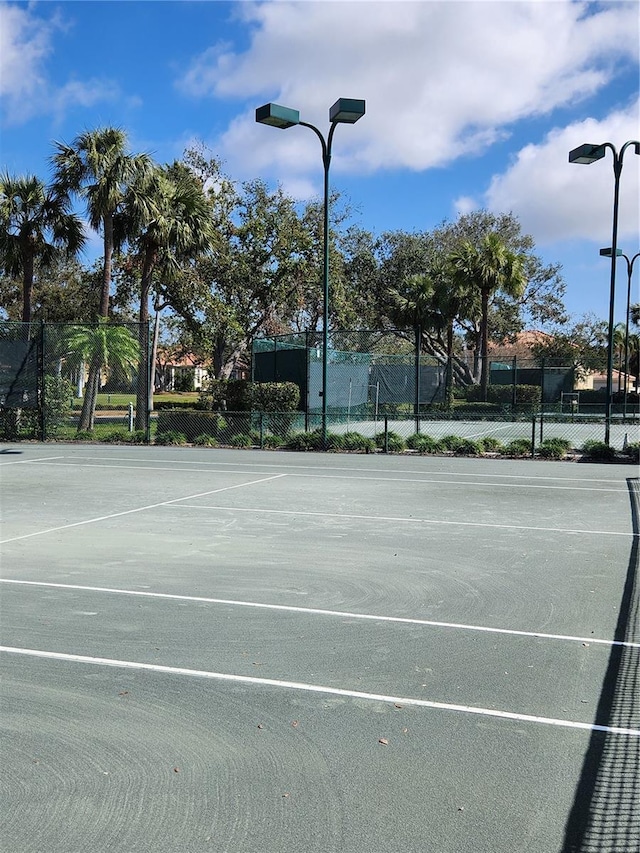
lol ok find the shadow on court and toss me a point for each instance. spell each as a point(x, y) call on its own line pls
point(605, 817)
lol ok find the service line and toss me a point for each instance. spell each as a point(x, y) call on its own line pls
point(410, 520)
point(317, 688)
point(316, 611)
point(139, 509)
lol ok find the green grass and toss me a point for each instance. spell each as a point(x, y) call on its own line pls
point(123, 400)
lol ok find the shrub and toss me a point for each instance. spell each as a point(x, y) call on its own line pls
point(598, 451)
point(306, 441)
point(395, 443)
point(84, 435)
point(467, 447)
point(633, 451)
point(170, 437)
point(356, 441)
point(518, 447)
point(553, 448)
point(527, 396)
point(57, 395)
point(491, 445)
point(450, 442)
point(205, 440)
point(423, 443)
point(241, 395)
point(335, 441)
point(241, 440)
point(116, 436)
point(192, 423)
point(273, 441)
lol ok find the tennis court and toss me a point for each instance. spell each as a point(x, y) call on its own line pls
point(254, 652)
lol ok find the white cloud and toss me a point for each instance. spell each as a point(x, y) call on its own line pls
point(441, 79)
point(556, 200)
point(27, 42)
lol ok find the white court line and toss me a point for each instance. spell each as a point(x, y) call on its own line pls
point(317, 688)
point(410, 520)
point(374, 470)
point(621, 489)
point(138, 509)
point(23, 461)
point(315, 611)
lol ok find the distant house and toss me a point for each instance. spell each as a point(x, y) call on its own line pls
point(179, 371)
point(519, 348)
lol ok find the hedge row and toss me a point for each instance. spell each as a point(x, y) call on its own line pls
point(239, 395)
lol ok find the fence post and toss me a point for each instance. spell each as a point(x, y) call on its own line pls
point(386, 434)
point(514, 380)
point(416, 408)
point(261, 430)
point(130, 417)
point(43, 389)
point(533, 435)
point(308, 388)
point(541, 399)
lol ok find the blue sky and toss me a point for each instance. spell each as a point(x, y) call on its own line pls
point(469, 105)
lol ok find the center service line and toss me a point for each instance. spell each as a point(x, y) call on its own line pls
point(318, 688)
point(139, 509)
point(315, 611)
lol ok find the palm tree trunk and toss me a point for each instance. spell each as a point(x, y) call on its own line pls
point(448, 386)
point(142, 392)
point(27, 287)
point(87, 415)
point(107, 224)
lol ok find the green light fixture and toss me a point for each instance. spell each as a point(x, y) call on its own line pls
point(277, 116)
point(346, 111)
point(587, 153)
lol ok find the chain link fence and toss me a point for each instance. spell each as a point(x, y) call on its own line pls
point(91, 381)
point(60, 380)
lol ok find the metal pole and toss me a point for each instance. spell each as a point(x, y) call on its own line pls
point(326, 162)
point(617, 168)
point(630, 264)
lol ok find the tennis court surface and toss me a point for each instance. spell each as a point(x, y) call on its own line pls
point(254, 652)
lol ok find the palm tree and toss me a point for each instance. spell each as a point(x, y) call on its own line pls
point(485, 270)
point(104, 346)
point(170, 214)
point(36, 225)
point(434, 301)
point(98, 167)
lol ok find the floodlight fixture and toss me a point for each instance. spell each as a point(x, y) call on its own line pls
point(276, 115)
point(587, 154)
point(607, 253)
point(346, 111)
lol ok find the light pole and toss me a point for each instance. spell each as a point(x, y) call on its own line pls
point(607, 253)
point(344, 111)
point(588, 154)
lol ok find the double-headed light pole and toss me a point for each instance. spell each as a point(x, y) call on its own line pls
point(588, 154)
point(607, 253)
point(344, 111)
